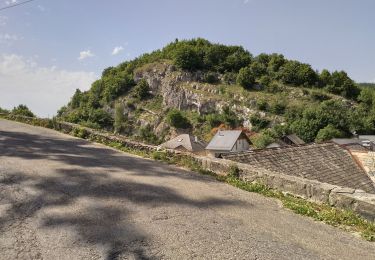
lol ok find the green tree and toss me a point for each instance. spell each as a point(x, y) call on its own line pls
point(258, 123)
point(342, 85)
point(327, 133)
point(187, 58)
point(325, 78)
point(22, 110)
point(141, 89)
point(3, 111)
point(120, 117)
point(245, 78)
point(176, 119)
point(76, 99)
point(298, 74)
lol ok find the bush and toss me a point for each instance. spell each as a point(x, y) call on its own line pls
point(80, 132)
point(176, 119)
point(298, 74)
point(214, 120)
point(261, 141)
point(277, 107)
point(319, 96)
point(211, 78)
point(327, 133)
point(187, 58)
point(234, 171)
point(265, 81)
point(245, 78)
point(230, 78)
point(141, 89)
point(262, 105)
point(273, 88)
point(22, 110)
point(120, 118)
point(148, 135)
point(3, 111)
point(258, 122)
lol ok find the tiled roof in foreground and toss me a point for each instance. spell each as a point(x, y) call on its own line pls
point(326, 162)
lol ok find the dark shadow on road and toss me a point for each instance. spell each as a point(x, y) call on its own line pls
point(99, 224)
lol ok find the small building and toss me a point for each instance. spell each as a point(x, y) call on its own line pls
point(185, 143)
point(292, 139)
point(228, 141)
point(286, 140)
point(362, 142)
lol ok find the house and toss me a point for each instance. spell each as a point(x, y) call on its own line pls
point(286, 140)
point(185, 143)
point(362, 142)
point(228, 141)
point(326, 162)
point(292, 139)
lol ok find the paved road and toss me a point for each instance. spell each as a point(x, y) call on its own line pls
point(65, 198)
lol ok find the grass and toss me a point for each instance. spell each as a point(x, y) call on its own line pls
point(342, 218)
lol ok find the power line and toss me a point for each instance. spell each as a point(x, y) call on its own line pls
point(16, 4)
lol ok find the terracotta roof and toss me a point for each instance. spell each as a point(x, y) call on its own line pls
point(327, 162)
point(186, 141)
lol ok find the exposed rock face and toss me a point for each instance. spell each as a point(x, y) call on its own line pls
point(169, 83)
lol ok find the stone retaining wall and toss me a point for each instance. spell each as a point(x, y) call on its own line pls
point(341, 197)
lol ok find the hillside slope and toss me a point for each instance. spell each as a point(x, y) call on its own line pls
point(196, 86)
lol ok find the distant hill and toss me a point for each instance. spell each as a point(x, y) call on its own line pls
point(197, 86)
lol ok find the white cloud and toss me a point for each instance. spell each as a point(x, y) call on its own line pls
point(11, 2)
point(85, 54)
point(246, 1)
point(117, 50)
point(43, 89)
point(8, 37)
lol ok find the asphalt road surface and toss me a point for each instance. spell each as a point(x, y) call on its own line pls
point(66, 198)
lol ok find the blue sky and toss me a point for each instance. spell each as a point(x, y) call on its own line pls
point(50, 47)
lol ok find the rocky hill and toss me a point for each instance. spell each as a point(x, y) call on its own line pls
point(196, 86)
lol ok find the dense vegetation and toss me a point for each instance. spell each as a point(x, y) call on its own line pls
point(326, 116)
point(20, 110)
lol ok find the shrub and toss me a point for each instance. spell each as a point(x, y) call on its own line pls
point(273, 88)
point(234, 171)
point(265, 81)
point(258, 122)
point(214, 120)
point(327, 133)
point(245, 78)
point(141, 89)
point(187, 58)
point(148, 135)
point(260, 141)
point(160, 156)
point(80, 132)
point(211, 78)
point(262, 105)
point(319, 96)
point(3, 111)
point(22, 110)
point(120, 118)
point(176, 119)
point(230, 78)
point(277, 107)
